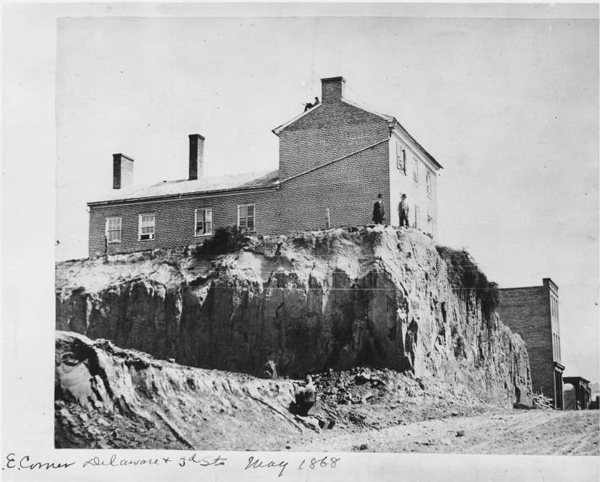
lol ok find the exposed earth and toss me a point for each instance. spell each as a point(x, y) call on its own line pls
point(308, 302)
point(107, 397)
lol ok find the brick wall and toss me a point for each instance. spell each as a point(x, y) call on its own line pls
point(174, 225)
point(328, 132)
point(348, 187)
point(526, 311)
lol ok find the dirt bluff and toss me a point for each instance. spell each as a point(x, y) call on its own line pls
point(308, 302)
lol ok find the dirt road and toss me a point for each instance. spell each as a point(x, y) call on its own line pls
point(531, 432)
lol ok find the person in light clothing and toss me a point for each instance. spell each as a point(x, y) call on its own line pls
point(403, 211)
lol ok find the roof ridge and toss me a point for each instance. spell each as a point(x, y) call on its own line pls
point(385, 117)
point(246, 173)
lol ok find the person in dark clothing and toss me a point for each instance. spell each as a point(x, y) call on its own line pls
point(309, 106)
point(378, 210)
point(403, 211)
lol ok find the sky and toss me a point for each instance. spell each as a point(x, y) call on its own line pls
point(509, 107)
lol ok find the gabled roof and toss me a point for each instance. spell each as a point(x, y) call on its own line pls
point(277, 130)
point(393, 122)
point(425, 153)
point(386, 117)
point(186, 187)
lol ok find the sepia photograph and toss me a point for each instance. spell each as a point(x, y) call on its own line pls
point(353, 229)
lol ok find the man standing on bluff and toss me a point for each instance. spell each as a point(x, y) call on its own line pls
point(403, 211)
point(378, 210)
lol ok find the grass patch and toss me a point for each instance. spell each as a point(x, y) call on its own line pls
point(466, 278)
point(224, 240)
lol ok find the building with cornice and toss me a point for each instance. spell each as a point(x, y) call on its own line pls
point(532, 312)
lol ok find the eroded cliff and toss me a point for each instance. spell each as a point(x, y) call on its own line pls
point(331, 299)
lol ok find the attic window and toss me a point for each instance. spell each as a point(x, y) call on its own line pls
point(246, 217)
point(146, 226)
point(203, 222)
point(401, 158)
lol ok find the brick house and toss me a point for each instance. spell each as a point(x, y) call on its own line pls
point(532, 312)
point(334, 160)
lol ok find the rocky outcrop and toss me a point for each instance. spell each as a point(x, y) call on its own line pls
point(330, 299)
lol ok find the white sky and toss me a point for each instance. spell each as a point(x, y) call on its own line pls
point(508, 105)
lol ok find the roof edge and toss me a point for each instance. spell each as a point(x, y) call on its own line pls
point(216, 192)
point(386, 117)
point(278, 129)
point(432, 159)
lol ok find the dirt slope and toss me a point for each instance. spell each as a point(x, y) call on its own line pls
point(107, 397)
point(332, 299)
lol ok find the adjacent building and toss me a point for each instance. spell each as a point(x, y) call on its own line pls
point(532, 312)
point(334, 160)
point(581, 395)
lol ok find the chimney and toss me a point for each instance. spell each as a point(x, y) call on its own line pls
point(122, 171)
point(196, 156)
point(332, 89)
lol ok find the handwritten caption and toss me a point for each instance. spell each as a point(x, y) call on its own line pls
point(312, 464)
point(13, 461)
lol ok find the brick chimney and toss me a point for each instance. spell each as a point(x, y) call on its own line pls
point(122, 171)
point(332, 89)
point(196, 156)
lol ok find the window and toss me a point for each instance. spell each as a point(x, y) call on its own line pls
point(416, 172)
point(428, 183)
point(401, 158)
point(416, 216)
point(146, 229)
point(246, 217)
point(554, 308)
point(203, 222)
point(113, 230)
point(556, 346)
